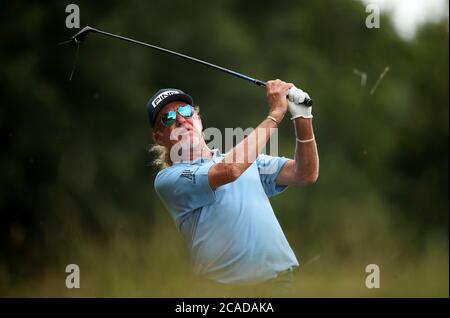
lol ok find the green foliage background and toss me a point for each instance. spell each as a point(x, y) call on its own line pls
point(76, 176)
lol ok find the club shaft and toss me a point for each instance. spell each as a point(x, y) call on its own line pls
point(83, 33)
point(220, 68)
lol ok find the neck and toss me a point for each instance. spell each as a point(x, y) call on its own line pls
point(197, 152)
point(201, 151)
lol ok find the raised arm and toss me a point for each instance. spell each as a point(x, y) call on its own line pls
point(243, 154)
point(305, 168)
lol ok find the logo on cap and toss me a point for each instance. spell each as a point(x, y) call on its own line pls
point(158, 99)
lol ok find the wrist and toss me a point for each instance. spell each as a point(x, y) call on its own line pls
point(277, 115)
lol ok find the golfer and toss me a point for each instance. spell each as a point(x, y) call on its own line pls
point(220, 202)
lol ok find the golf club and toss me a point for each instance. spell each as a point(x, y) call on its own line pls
point(81, 36)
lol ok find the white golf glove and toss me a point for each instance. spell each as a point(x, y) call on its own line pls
point(295, 97)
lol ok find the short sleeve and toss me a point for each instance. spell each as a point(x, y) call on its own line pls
point(184, 188)
point(269, 167)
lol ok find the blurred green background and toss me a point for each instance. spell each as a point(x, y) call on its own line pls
point(76, 175)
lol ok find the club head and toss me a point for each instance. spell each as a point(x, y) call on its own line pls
point(80, 36)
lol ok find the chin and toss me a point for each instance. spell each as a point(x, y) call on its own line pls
point(190, 141)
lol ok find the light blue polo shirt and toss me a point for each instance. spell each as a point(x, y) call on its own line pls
point(232, 231)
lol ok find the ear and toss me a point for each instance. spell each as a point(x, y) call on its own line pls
point(157, 135)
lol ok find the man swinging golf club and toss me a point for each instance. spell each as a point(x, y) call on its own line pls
point(220, 202)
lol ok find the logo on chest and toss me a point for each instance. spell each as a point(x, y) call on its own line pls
point(188, 174)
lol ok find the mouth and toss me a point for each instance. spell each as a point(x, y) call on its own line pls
point(185, 134)
point(186, 131)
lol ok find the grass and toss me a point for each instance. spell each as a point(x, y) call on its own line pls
point(158, 266)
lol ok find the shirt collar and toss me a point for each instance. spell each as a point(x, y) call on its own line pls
point(216, 157)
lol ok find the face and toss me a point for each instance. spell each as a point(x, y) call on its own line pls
point(183, 130)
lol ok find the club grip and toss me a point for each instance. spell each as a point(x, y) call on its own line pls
point(308, 102)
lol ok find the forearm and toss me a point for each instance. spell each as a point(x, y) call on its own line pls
point(246, 152)
point(306, 156)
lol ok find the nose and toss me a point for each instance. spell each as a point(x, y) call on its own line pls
point(180, 120)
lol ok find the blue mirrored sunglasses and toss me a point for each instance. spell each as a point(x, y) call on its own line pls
point(169, 118)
